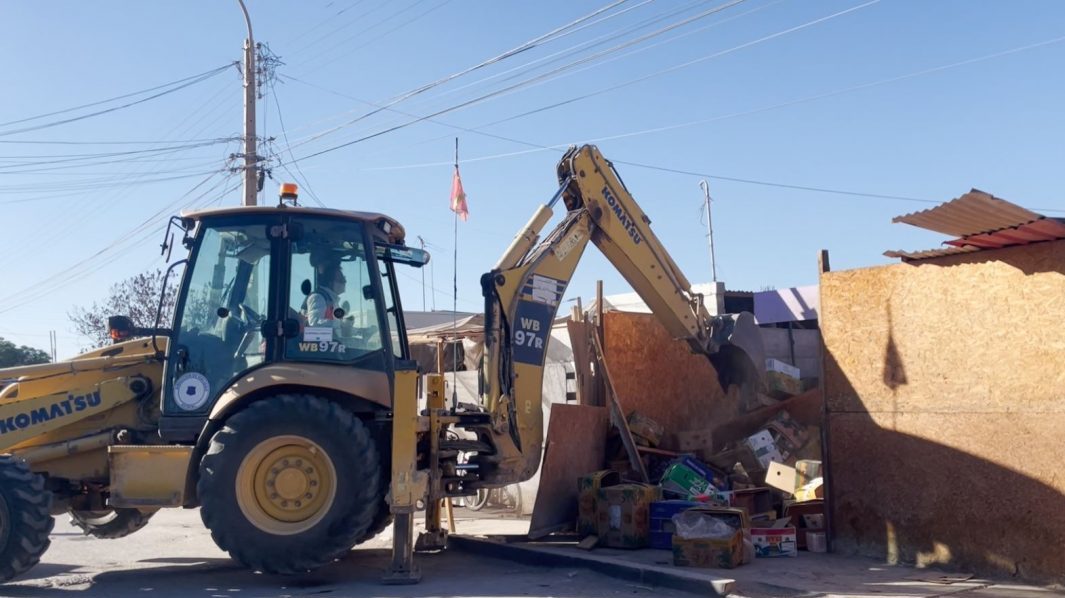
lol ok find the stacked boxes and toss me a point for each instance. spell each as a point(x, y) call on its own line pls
point(623, 515)
point(587, 498)
point(662, 513)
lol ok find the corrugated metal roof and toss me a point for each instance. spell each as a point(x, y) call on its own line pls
point(909, 256)
point(981, 221)
point(1047, 229)
point(971, 214)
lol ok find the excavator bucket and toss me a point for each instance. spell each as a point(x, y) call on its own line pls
point(740, 354)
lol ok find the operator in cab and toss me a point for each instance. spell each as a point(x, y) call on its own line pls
point(323, 303)
point(328, 307)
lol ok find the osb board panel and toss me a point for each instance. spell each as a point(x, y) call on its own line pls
point(659, 377)
point(576, 445)
point(943, 488)
point(976, 333)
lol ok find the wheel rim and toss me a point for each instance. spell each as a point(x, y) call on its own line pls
point(286, 485)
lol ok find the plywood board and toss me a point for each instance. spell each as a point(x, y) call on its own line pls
point(659, 377)
point(944, 387)
point(576, 441)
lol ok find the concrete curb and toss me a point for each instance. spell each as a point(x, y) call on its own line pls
point(697, 581)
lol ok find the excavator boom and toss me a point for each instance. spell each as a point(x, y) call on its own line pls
point(523, 292)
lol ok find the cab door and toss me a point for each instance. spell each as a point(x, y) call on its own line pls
point(225, 299)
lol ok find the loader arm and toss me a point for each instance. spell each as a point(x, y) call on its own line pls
point(523, 292)
point(44, 398)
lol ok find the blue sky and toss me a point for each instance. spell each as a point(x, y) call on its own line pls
point(759, 101)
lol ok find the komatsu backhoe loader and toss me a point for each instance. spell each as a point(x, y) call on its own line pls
point(283, 402)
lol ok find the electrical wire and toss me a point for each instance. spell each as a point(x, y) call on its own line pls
point(326, 21)
point(284, 133)
point(359, 34)
point(538, 78)
point(544, 38)
point(80, 269)
point(197, 78)
point(677, 67)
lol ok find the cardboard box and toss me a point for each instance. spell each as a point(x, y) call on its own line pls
point(743, 455)
point(782, 477)
point(717, 477)
point(753, 501)
point(587, 496)
point(764, 448)
point(805, 514)
point(724, 553)
point(697, 442)
point(623, 515)
point(646, 428)
point(776, 365)
point(708, 553)
point(815, 490)
point(731, 516)
point(684, 482)
point(776, 541)
point(662, 512)
point(782, 380)
point(806, 471)
point(789, 435)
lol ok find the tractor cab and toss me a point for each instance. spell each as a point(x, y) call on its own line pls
point(283, 296)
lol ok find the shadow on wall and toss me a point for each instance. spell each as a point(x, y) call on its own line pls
point(910, 499)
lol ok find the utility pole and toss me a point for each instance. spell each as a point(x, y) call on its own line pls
point(709, 227)
point(251, 157)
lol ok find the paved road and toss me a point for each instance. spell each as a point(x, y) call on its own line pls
point(175, 557)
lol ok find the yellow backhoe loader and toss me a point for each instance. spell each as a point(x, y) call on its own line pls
point(283, 402)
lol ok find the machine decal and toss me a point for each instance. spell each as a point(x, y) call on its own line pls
point(317, 334)
point(565, 246)
point(191, 391)
point(323, 347)
point(543, 289)
point(623, 216)
point(58, 409)
point(531, 331)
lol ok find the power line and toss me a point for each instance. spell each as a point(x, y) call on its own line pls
point(194, 81)
point(367, 29)
point(61, 159)
point(284, 133)
point(116, 98)
point(553, 34)
point(680, 66)
point(80, 270)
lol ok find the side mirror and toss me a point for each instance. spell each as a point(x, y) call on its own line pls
point(367, 292)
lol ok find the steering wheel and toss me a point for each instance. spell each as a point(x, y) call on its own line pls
point(250, 321)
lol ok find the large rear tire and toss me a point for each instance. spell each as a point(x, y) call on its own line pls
point(111, 523)
point(25, 518)
point(290, 483)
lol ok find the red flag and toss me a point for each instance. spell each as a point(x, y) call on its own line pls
point(458, 197)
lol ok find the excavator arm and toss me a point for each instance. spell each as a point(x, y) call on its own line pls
point(523, 292)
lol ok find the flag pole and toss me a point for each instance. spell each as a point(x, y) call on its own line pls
point(455, 303)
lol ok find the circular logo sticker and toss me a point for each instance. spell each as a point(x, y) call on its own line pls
point(191, 391)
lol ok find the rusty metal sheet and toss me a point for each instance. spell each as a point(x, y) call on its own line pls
point(981, 221)
point(576, 445)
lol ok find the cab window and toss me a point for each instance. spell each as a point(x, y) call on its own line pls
point(332, 294)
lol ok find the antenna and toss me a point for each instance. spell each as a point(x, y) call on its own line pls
point(709, 227)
